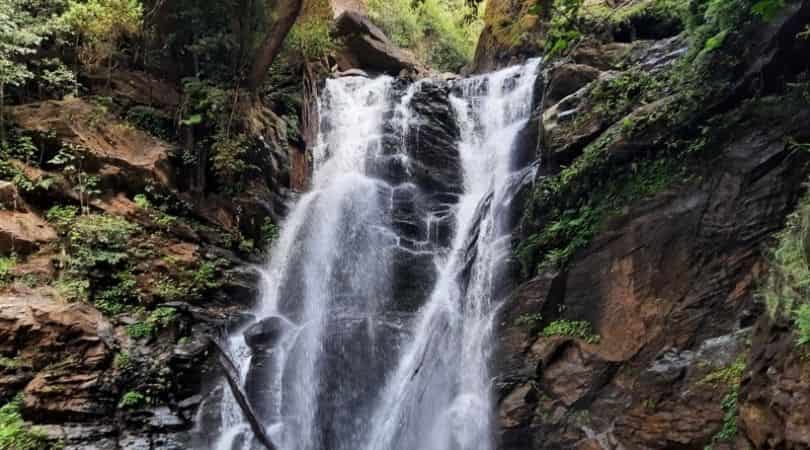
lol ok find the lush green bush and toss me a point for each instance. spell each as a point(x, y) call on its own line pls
point(442, 33)
point(15, 435)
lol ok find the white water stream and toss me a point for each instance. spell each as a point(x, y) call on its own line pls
point(354, 368)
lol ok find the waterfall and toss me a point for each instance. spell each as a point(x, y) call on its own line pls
point(377, 304)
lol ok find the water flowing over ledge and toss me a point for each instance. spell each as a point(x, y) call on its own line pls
point(376, 308)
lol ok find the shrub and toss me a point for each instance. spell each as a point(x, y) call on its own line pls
point(15, 435)
point(151, 120)
point(160, 318)
point(99, 241)
point(7, 264)
point(62, 216)
point(132, 400)
point(576, 329)
point(787, 289)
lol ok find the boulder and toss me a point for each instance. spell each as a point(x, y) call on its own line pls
point(566, 79)
point(23, 232)
point(366, 47)
point(125, 158)
point(265, 334)
point(69, 348)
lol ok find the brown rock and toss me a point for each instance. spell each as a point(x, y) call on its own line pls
point(660, 282)
point(69, 348)
point(23, 232)
point(126, 157)
point(366, 47)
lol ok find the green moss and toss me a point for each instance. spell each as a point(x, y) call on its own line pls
point(654, 11)
point(16, 435)
point(575, 329)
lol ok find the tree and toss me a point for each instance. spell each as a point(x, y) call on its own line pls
point(100, 25)
point(21, 32)
point(283, 15)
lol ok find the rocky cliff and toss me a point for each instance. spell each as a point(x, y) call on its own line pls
point(666, 171)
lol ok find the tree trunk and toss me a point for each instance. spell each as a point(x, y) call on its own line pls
point(232, 377)
point(282, 21)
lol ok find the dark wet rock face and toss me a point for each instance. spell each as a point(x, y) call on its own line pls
point(265, 334)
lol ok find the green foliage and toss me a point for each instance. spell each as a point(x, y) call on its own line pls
point(802, 320)
point(767, 9)
point(228, 155)
point(16, 435)
point(132, 400)
point(70, 160)
point(574, 329)
point(529, 320)
point(151, 120)
point(7, 264)
point(269, 232)
point(715, 41)
point(730, 412)
point(122, 361)
point(98, 260)
point(311, 38)
point(158, 319)
point(24, 25)
point(116, 297)
point(730, 375)
point(565, 27)
point(787, 289)
point(100, 25)
point(571, 227)
point(98, 242)
point(62, 216)
point(142, 202)
point(442, 33)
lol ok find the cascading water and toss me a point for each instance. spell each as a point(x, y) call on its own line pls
point(382, 288)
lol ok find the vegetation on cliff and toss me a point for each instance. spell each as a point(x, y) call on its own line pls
point(786, 288)
point(442, 33)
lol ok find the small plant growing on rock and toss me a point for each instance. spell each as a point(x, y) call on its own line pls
point(16, 435)
point(160, 318)
point(122, 361)
point(270, 232)
point(578, 329)
point(529, 320)
point(7, 264)
point(132, 400)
